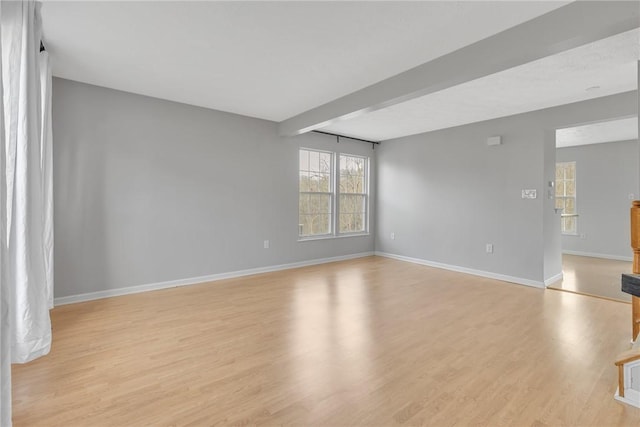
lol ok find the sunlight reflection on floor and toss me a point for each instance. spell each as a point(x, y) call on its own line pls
point(593, 276)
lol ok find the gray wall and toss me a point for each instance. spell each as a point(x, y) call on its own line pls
point(551, 222)
point(446, 194)
point(147, 191)
point(606, 175)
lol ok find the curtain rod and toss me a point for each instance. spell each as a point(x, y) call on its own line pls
point(373, 143)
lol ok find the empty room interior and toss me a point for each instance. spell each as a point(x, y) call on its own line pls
point(320, 213)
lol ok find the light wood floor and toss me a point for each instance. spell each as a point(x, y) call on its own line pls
point(372, 341)
point(593, 276)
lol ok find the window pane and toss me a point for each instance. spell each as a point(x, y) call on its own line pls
point(566, 195)
point(316, 224)
point(314, 161)
point(352, 213)
point(570, 171)
point(352, 174)
point(303, 203)
point(314, 214)
point(352, 223)
point(570, 206)
point(304, 181)
point(315, 206)
point(325, 163)
point(352, 203)
point(323, 181)
point(569, 225)
point(315, 203)
point(570, 188)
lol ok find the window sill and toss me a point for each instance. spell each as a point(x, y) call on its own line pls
point(332, 236)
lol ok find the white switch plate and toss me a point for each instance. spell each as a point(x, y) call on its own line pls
point(631, 196)
point(266, 244)
point(489, 248)
point(529, 194)
point(393, 236)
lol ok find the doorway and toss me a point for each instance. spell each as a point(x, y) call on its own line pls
point(597, 167)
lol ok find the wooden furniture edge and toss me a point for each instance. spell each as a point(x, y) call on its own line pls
point(628, 356)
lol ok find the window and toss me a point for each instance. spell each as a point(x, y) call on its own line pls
point(315, 205)
point(332, 203)
point(353, 194)
point(566, 196)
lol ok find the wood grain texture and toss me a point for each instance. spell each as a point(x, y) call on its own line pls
point(593, 276)
point(371, 341)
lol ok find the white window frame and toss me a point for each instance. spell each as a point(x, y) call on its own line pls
point(564, 196)
point(335, 196)
point(365, 194)
point(331, 194)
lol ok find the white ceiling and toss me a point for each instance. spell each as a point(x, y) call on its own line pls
point(608, 64)
point(274, 60)
point(596, 133)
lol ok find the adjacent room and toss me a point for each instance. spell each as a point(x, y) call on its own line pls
point(597, 168)
point(320, 213)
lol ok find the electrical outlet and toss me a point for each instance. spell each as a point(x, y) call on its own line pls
point(266, 244)
point(489, 248)
point(529, 194)
point(583, 235)
point(393, 236)
point(631, 196)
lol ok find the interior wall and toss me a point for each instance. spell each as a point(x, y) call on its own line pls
point(551, 224)
point(148, 191)
point(446, 194)
point(606, 182)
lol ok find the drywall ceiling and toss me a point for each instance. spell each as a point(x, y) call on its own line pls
point(602, 68)
point(270, 60)
point(596, 133)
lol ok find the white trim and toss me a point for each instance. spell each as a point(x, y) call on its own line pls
point(200, 279)
point(631, 397)
point(474, 272)
point(332, 236)
point(595, 255)
point(553, 279)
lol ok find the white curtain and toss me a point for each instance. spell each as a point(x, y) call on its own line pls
point(26, 271)
point(46, 159)
point(5, 294)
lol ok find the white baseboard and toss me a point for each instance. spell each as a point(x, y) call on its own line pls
point(201, 279)
point(553, 279)
point(487, 274)
point(596, 255)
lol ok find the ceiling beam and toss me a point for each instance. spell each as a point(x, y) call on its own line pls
point(565, 28)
